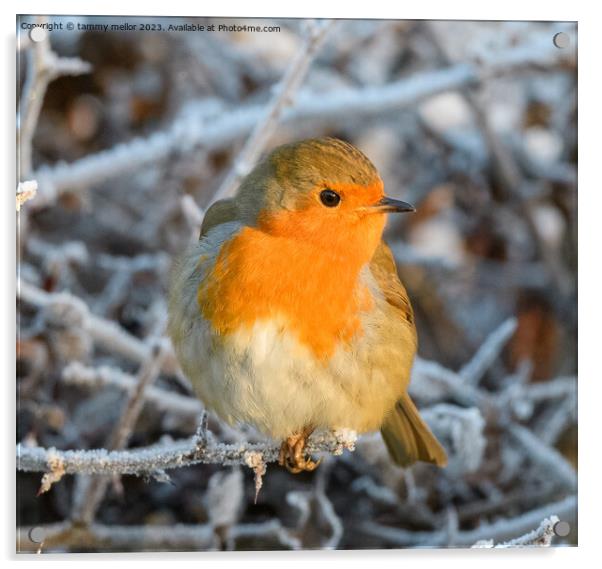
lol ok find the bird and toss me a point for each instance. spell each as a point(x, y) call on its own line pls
point(288, 314)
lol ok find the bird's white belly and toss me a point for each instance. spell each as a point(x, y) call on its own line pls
point(263, 376)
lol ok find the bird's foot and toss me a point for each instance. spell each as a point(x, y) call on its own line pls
point(292, 453)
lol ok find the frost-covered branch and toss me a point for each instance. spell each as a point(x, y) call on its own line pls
point(43, 66)
point(540, 537)
point(178, 537)
point(499, 531)
point(104, 332)
point(460, 429)
point(78, 374)
point(94, 489)
point(548, 457)
point(283, 97)
point(166, 456)
point(193, 214)
point(206, 128)
point(427, 374)
point(490, 349)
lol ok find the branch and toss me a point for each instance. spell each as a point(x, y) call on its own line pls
point(77, 374)
point(460, 429)
point(88, 501)
point(193, 214)
point(202, 128)
point(558, 388)
point(450, 383)
point(202, 537)
point(507, 174)
point(489, 350)
point(167, 456)
point(178, 537)
point(105, 333)
point(548, 457)
point(540, 537)
point(503, 529)
point(43, 67)
point(283, 97)
point(463, 385)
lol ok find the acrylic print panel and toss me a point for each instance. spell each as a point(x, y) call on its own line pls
point(288, 316)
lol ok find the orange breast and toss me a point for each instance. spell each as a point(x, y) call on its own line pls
point(315, 290)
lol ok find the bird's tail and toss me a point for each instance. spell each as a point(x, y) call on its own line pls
point(408, 437)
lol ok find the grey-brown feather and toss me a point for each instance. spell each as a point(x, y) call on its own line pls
point(222, 211)
point(406, 435)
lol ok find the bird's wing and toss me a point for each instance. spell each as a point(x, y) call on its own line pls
point(222, 211)
point(405, 433)
point(382, 267)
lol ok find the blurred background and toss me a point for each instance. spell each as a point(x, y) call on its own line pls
point(472, 122)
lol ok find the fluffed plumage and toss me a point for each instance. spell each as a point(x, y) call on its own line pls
point(289, 315)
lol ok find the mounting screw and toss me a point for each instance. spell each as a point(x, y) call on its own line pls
point(562, 529)
point(561, 40)
point(37, 34)
point(37, 534)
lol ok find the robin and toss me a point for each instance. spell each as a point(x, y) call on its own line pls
point(288, 314)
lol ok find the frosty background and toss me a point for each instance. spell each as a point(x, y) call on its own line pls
point(126, 137)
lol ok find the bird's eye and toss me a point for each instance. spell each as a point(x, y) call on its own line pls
point(330, 198)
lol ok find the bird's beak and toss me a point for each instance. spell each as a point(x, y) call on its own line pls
point(390, 205)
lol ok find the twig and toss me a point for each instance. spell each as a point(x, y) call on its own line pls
point(557, 388)
point(503, 529)
point(194, 215)
point(452, 383)
point(554, 422)
point(507, 174)
point(489, 350)
point(96, 537)
point(195, 129)
point(78, 374)
point(178, 537)
point(284, 93)
point(540, 537)
point(550, 459)
point(26, 191)
point(43, 67)
point(106, 333)
point(89, 502)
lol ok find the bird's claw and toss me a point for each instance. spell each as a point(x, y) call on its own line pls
point(292, 453)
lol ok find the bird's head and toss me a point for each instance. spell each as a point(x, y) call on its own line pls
point(323, 191)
